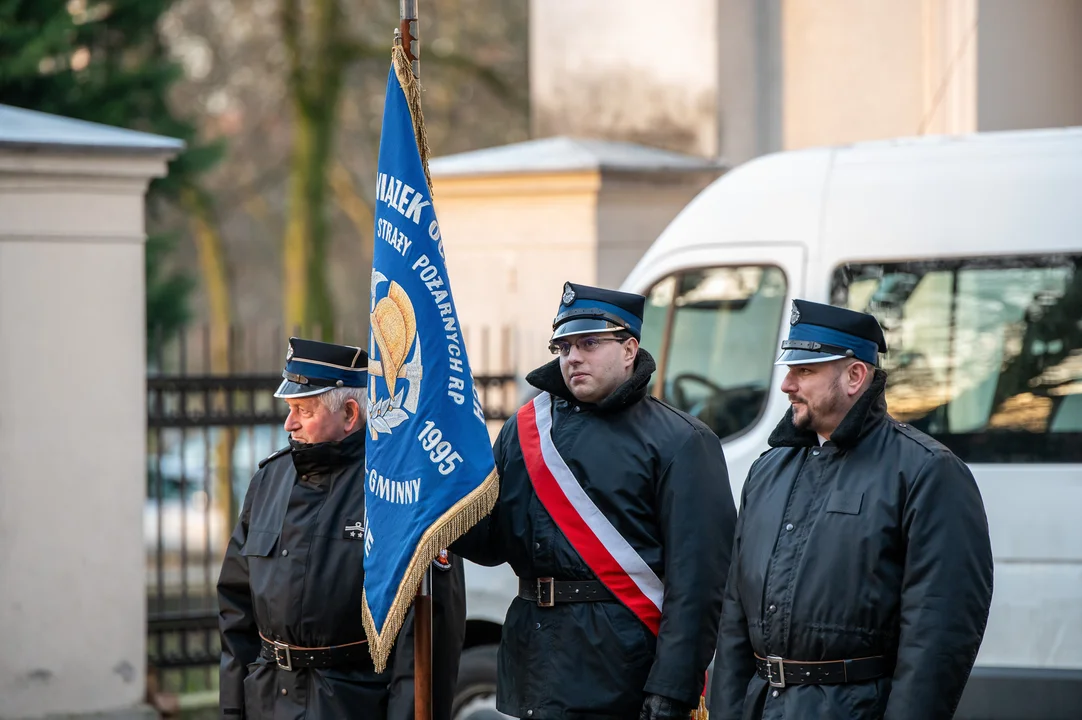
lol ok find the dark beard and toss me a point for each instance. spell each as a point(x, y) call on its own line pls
point(829, 405)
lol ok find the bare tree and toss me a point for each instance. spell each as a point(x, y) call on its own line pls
point(300, 106)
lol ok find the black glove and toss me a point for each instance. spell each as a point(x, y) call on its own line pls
point(658, 707)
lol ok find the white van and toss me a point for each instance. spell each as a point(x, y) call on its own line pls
point(969, 251)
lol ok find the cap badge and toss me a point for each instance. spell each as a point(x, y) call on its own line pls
point(794, 315)
point(289, 352)
point(569, 294)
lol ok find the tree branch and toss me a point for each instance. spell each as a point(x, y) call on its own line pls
point(485, 74)
point(351, 201)
point(290, 23)
point(351, 50)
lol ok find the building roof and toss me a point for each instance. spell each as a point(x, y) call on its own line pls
point(566, 154)
point(28, 128)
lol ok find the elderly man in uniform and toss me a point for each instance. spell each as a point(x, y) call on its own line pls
point(862, 569)
point(293, 646)
point(615, 512)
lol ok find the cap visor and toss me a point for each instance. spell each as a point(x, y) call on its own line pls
point(582, 326)
point(804, 357)
point(290, 389)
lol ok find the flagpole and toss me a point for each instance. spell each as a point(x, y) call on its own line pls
point(408, 27)
point(422, 604)
point(422, 650)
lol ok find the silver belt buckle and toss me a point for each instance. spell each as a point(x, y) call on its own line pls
point(771, 660)
point(543, 582)
point(278, 648)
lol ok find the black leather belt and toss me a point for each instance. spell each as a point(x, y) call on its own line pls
point(780, 672)
point(294, 657)
point(546, 592)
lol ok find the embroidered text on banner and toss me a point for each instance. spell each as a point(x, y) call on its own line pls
point(429, 469)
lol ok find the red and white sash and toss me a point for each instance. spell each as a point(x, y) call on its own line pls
point(605, 551)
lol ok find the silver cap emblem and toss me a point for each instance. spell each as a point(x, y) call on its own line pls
point(794, 315)
point(569, 294)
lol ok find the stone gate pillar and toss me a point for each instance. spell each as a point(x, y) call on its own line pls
point(73, 415)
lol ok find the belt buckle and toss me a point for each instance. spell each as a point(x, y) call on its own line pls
point(278, 648)
point(770, 661)
point(546, 582)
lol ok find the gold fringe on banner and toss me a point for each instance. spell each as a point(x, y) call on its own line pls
point(411, 86)
point(452, 525)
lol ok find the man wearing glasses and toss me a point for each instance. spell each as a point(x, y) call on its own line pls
point(616, 514)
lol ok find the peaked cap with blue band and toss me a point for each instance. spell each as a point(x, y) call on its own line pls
point(585, 309)
point(314, 367)
point(820, 333)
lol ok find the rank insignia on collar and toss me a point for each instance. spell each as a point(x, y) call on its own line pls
point(569, 294)
point(353, 530)
point(442, 561)
point(794, 315)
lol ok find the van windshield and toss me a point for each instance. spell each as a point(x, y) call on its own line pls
point(714, 333)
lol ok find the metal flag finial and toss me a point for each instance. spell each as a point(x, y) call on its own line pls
point(409, 36)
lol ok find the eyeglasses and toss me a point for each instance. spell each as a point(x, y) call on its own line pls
point(585, 345)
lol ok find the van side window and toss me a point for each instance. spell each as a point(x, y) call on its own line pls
point(714, 333)
point(984, 354)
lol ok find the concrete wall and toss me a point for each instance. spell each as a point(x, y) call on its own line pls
point(1030, 60)
point(851, 71)
point(72, 433)
point(632, 210)
point(740, 78)
point(512, 241)
point(635, 70)
point(749, 95)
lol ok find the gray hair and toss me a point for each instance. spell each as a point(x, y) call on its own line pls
point(335, 399)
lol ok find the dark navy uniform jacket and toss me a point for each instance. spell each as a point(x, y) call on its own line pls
point(875, 544)
point(659, 477)
point(294, 571)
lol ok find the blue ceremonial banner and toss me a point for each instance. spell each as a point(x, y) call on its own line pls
point(429, 472)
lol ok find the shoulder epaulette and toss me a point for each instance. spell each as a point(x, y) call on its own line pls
point(925, 441)
point(686, 416)
point(276, 454)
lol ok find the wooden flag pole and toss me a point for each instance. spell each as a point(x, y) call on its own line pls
point(422, 604)
point(422, 650)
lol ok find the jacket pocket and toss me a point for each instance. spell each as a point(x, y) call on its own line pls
point(259, 543)
point(845, 502)
point(259, 687)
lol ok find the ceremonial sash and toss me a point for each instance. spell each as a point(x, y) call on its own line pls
point(602, 548)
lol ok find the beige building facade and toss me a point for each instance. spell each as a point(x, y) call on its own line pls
point(520, 220)
point(740, 78)
point(73, 414)
point(724, 81)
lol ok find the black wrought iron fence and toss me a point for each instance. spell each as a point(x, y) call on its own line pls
point(208, 428)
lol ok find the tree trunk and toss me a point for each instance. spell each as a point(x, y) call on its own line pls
point(358, 208)
point(215, 275)
point(295, 250)
point(316, 70)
